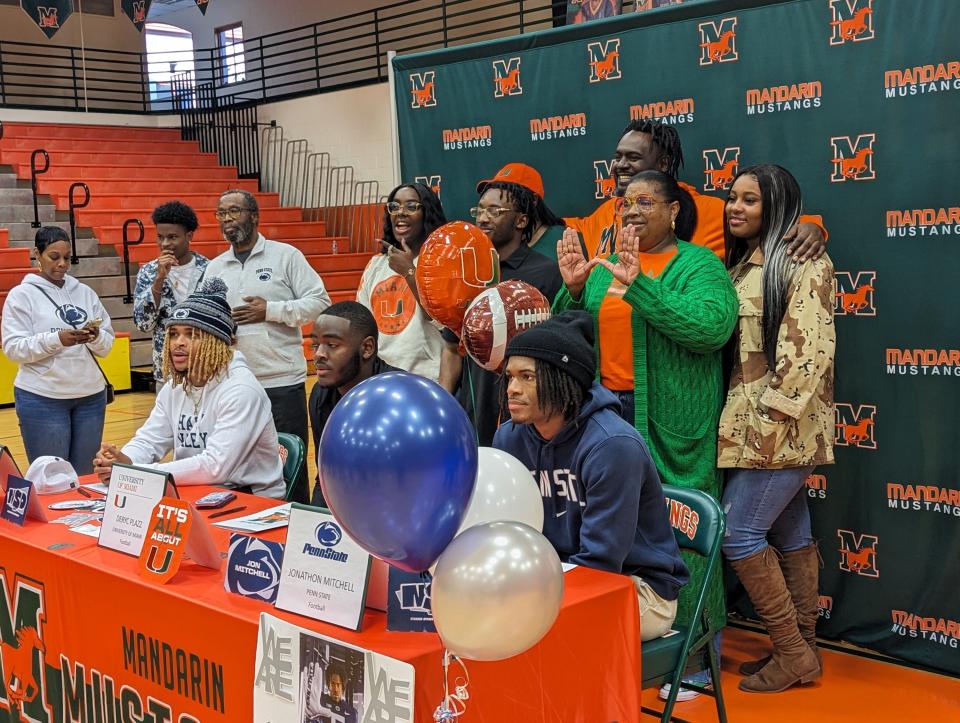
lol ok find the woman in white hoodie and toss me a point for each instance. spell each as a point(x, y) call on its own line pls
point(212, 413)
point(54, 327)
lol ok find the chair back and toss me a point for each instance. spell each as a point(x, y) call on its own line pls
point(296, 458)
point(696, 518)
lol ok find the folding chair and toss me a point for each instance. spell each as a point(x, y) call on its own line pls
point(296, 458)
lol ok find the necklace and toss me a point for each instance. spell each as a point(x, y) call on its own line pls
point(189, 390)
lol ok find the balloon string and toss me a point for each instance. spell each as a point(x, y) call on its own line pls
point(455, 705)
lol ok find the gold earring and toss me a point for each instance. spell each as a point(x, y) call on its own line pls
point(673, 225)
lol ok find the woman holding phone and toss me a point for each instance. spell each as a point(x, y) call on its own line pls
point(409, 339)
point(54, 327)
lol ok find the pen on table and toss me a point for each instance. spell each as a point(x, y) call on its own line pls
point(227, 512)
point(83, 492)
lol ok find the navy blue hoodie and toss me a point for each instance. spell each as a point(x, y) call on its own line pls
point(603, 506)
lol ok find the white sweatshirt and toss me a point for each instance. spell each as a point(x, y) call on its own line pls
point(229, 440)
point(31, 337)
point(295, 295)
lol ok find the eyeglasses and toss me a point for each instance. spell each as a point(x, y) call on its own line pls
point(232, 213)
point(394, 207)
point(645, 203)
point(491, 211)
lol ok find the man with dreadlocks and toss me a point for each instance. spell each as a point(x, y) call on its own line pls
point(603, 505)
point(651, 145)
point(212, 413)
point(506, 213)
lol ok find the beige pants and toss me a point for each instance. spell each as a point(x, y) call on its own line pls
point(656, 614)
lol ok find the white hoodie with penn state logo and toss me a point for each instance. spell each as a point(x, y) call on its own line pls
point(31, 337)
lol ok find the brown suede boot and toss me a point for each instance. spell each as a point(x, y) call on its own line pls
point(793, 661)
point(801, 572)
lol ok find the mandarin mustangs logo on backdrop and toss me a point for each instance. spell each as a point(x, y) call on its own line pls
point(825, 606)
point(558, 126)
point(720, 167)
point(854, 293)
point(858, 553)
point(817, 486)
point(458, 139)
point(853, 159)
point(718, 41)
point(852, 20)
point(923, 498)
point(923, 222)
point(923, 362)
point(855, 427)
point(604, 60)
point(671, 112)
point(506, 78)
point(423, 89)
point(942, 631)
point(922, 79)
point(431, 182)
point(605, 185)
point(779, 98)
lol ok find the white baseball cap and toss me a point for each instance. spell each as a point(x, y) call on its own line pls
point(51, 475)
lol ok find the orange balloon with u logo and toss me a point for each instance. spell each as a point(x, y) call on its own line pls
point(456, 263)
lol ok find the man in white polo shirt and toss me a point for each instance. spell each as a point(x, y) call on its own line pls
point(273, 292)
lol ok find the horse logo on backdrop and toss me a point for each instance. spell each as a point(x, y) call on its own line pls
point(506, 78)
point(718, 41)
point(852, 20)
point(423, 89)
point(431, 182)
point(22, 649)
point(853, 159)
point(604, 59)
point(720, 167)
point(855, 427)
point(854, 293)
point(605, 184)
point(858, 553)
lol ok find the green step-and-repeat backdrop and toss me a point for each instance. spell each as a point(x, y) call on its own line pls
point(860, 99)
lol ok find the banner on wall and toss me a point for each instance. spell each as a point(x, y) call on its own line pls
point(203, 4)
point(49, 15)
point(137, 11)
point(853, 110)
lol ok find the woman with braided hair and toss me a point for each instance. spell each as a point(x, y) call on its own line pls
point(212, 414)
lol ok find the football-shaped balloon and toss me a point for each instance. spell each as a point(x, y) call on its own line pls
point(496, 316)
point(456, 262)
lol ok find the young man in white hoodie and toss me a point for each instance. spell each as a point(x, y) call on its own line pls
point(212, 413)
point(273, 292)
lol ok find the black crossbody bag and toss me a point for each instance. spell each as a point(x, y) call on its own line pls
point(109, 387)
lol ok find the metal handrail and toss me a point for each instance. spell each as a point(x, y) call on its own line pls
point(34, 172)
point(74, 258)
point(127, 243)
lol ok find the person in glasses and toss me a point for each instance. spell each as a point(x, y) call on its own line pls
point(664, 308)
point(273, 292)
point(409, 338)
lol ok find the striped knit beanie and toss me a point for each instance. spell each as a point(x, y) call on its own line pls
point(206, 309)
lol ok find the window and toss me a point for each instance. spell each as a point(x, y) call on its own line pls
point(169, 61)
point(230, 51)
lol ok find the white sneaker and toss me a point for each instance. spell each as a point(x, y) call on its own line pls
point(682, 696)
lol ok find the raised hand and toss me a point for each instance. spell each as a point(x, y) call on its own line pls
point(627, 267)
point(573, 266)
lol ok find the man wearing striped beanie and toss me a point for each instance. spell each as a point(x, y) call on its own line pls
point(212, 413)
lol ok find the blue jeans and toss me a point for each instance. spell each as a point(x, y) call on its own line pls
point(766, 506)
point(68, 428)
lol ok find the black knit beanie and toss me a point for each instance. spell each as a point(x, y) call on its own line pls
point(565, 341)
point(206, 309)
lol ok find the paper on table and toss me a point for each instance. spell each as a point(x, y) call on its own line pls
point(98, 487)
point(77, 518)
point(89, 530)
point(269, 519)
point(567, 566)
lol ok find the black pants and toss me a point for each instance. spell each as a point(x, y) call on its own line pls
point(290, 415)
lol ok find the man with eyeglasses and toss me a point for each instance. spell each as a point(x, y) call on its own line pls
point(272, 291)
point(506, 213)
point(648, 145)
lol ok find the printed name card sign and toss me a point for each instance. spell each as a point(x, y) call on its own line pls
point(325, 573)
point(176, 530)
point(20, 502)
point(253, 567)
point(132, 494)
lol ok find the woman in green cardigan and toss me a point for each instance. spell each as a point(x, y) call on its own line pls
point(663, 309)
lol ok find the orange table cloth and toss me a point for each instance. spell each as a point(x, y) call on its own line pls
point(118, 648)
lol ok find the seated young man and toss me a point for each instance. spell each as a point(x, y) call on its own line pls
point(212, 414)
point(603, 506)
point(344, 343)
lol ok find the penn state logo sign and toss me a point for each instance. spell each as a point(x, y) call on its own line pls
point(329, 534)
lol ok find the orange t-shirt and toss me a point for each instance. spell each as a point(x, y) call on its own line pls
point(615, 324)
point(600, 229)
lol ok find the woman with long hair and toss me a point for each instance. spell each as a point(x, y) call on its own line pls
point(663, 308)
point(409, 339)
point(778, 420)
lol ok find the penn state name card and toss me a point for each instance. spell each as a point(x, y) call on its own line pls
point(325, 573)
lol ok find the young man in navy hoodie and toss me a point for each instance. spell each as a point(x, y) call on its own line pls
point(603, 505)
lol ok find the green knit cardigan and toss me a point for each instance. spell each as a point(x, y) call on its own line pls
point(681, 320)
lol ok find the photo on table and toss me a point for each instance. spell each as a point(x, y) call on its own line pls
point(331, 682)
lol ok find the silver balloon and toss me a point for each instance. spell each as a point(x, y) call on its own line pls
point(497, 591)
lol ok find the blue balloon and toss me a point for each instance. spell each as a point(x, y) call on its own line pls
point(397, 463)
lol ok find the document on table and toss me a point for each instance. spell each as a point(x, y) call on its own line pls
point(98, 487)
point(269, 519)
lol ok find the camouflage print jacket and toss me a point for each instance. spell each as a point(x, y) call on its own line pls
point(802, 384)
